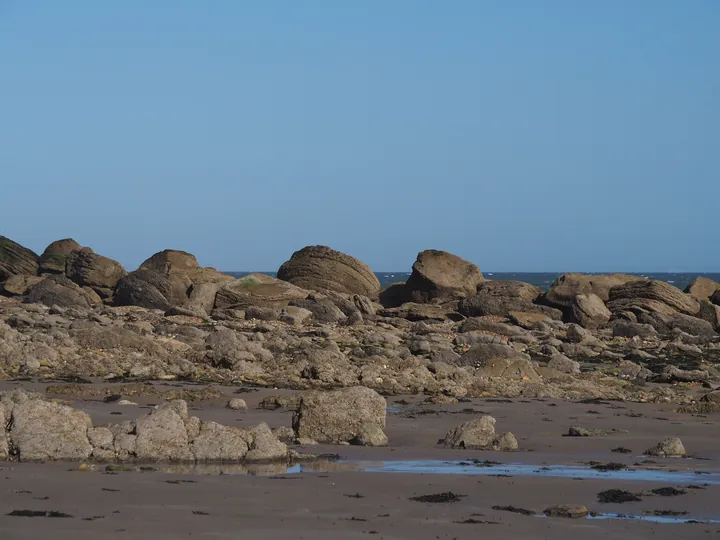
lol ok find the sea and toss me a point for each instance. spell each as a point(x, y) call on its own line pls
point(543, 280)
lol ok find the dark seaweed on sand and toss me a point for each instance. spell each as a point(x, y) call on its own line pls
point(515, 510)
point(447, 497)
point(617, 496)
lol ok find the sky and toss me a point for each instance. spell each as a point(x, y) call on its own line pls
point(521, 135)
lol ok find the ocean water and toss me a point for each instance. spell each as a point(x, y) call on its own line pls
point(542, 280)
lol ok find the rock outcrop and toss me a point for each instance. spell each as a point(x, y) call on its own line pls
point(439, 276)
point(479, 434)
point(589, 311)
point(565, 288)
point(57, 290)
point(258, 290)
point(54, 258)
point(652, 295)
point(16, 259)
point(498, 360)
point(95, 271)
point(341, 416)
point(321, 268)
point(702, 288)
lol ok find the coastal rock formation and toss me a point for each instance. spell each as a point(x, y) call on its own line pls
point(16, 259)
point(321, 268)
point(498, 360)
point(143, 288)
point(54, 258)
point(501, 299)
point(565, 288)
point(42, 430)
point(672, 447)
point(19, 284)
point(57, 290)
point(652, 295)
point(702, 288)
point(258, 290)
point(589, 311)
point(439, 276)
point(95, 271)
point(341, 416)
point(479, 434)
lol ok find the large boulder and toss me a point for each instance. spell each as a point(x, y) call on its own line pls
point(340, 416)
point(216, 442)
point(498, 360)
point(321, 268)
point(54, 258)
point(57, 290)
point(162, 434)
point(589, 311)
point(565, 288)
point(19, 284)
point(43, 430)
point(438, 275)
point(508, 288)
point(649, 295)
point(16, 259)
point(258, 290)
point(483, 304)
point(143, 288)
point(702, 288)
point(711, 313)
point(171, 261)
point(95, 271)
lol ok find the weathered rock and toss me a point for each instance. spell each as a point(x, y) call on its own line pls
point(394, 295)
point(54, 258)
point(656, 291)
point(589, 311)
point(483, 304)
point(16, 259)
point(509, 289)
point(672, 447)
point(631, 329)
point(702, 288)
point(265, 446)
point(421, 312)
point(673, 373)
point(320, 268)
point(90, 269)
point(19, 284)
point(237, 404)
point(528, 320)
point(567, 511)
point(715, 298)
point(370, 435)
point(201, 297)
point(162, 434)
point(565, 288)
point(495, 360)
point(711, 313)
point(257, 290)
point(505, 443)
point(478, 433)
point(295, 316)
point(216, 442)
point(170, 261)
point(43, 430)
point(323, 309)
point(57, 290)
point(143, 288)
point(560, 362)
point(438, 275)
point(338, 416)
point(4, 447)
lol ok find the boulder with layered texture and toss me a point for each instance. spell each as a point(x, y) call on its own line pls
point(143, 288)
point(54, 258)
point(589, 311)
point(653, 296)
point(484, 303)
point(321, 268)
point(57, 290)
point(95, 271)
point(258, 290)
point(438, 275)
point(16, 259)
point(565, 288)
point(340, 416)
point(702, 288)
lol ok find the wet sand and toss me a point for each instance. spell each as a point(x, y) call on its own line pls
point(187, 503)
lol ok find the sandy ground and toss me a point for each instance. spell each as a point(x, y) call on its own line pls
point(162, 505)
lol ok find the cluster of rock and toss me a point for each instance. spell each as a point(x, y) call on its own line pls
point(36, 430)
point(324, 323)
point(479, 434)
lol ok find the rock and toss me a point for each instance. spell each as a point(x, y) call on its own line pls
point(201, 297)
point(708, 312)
point(265, 446)
point(4, 447)
point(394, 295)
point(589, 311)
point(323, 309)
point(57, 290)
point(438, 275)
point(505, 443)
point(478, 433)
point(370, 435)
point(171, 261)
point(144, 289)
point(527, 320)
point(284, 434)
point(715, 298)
point(711, 397)
point(672, 374)
point(484, 304)
point(702, 288)
point(560, 362)
point(162, 434)
point(495, 360)
point(19, 284)
point(320, 268)
point(510, 289)
point(220, 443)
point(338, 416)
point(257, 290)
point(90, 269)
point(260, 313)
point(54, 258)
point(578, 334)
point(16, 259)
point(567, 511)
point(43, 430)
point(565, 288)
point(635, 292)
point(237, 404)
point(672, 447)
point(630, 329)
point(295, 316)
point(421, 312)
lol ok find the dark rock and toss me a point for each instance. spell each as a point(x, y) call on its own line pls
point(394, 295)
point(438, 275)
point(143, 288)
point(57, 290)
point(16, 259)
point(617, 496)
point(321, 268)
point(54, 258)
point(95, 271)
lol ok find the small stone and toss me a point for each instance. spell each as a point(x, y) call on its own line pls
point(567, 511)
point(237, 404)
point(505, 443)
point(672, 447)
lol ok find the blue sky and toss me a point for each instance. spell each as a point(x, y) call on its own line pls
point(521, 135)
